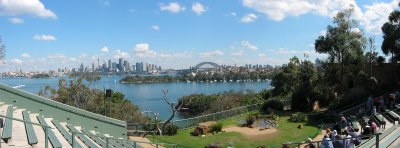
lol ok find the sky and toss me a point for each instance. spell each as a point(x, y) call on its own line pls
point(47, 34)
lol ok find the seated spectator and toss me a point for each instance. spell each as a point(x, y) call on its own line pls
point(374, 111)
point(326, 142)
point(374, 127)
point(356, 137)
point(392, 99)
point(367, 130)
point(347, 142)
point(310, 144)
point(338, 142)
point(381, 104)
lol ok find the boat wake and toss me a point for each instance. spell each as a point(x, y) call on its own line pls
point(18, 86)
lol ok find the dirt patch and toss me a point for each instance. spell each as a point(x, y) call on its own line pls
point(253, 133)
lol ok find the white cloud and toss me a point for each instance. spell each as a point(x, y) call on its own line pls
point(72, 59)
point(155, 27)
point(213, 53)
point(373, 17)
point(248, 45)
point(233, 13)
point(120, 54)
point(16, 20)
point(142, 50)
point(287, 51)
point(16, 61)
point(262, 55)
point(248, 18)
point(83, 56)
point(376, 15)
point(238, 53)
point(173, 7)
point(45, 37)
point(198, 8)
point(22, 7)
point(104, 49)
point(322, 33)
point(278, 9)
point(56, 56)
point(25, 55)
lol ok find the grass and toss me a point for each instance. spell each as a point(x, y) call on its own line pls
point(287, 131)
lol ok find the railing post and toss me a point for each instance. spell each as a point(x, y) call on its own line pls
point(107, 142)
point(134, 144)
point(187, 123)
point(156, 145)
point(214, 116)
point(344, 143)
point(46, 138)
point(73, 139)
point(175, 146)
point(377, 140)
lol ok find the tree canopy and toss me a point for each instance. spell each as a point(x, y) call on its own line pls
point(391, 36)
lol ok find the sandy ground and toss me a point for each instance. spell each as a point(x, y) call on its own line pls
point(144, 140)
point(253, 133)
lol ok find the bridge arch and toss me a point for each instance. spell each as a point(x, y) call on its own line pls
point(215, 65)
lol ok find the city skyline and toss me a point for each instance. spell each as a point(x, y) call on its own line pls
point(43, 35)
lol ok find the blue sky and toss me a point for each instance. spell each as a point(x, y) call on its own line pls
point(48, 34)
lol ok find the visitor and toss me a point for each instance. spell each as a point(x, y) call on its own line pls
point(383, 125)
point(369, 104)
point(381, 104)
point(348, 141)
point(310, 144)
point(338, 142)
point(374, 111)
point(375, 102)
point(327, 142)
point(392, 100)
point(374, 127)
point(356, 137)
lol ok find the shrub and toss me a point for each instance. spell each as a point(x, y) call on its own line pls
point(250, 119)
point(272, 104)
point(298, 117)
point(197, 132)
point(217, 127)
point(171, 129)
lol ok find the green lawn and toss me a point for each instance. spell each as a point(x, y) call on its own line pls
point(287, 131)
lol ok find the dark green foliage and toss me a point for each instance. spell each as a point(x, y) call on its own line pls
point(381, 60)
point(171, 129)
point(273, 103)
point(391, 36)
point(298, 117)
point(200, 76)
point(39, 76)
point(216, 128)
point(199, 104)
point(250, 119)
point(77, 93)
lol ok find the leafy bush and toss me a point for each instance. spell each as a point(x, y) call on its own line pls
point(298, 117)
point(272, 104)
point(217, 127)
point(197, 132)
point(171, 129)
point(250, 119)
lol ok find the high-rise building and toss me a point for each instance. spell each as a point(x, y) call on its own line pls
point(109, 64)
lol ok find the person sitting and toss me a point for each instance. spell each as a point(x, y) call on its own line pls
point(326, 142)
point(374, 127)
point(338, 142)
point(310, 144)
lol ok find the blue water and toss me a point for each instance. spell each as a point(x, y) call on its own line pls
point(146, 95)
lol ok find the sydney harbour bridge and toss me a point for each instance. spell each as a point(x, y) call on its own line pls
point(202, 66)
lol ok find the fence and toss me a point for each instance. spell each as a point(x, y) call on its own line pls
point(222, 115)
point(192, 122)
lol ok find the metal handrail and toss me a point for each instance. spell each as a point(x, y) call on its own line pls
point(46, 135)
point(111, 138)
point(370, 136)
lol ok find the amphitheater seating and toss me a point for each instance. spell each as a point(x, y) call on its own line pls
point(67, 135)
point(394, 116)
point(8, 125)
point(31, 135)
point(85, 139)
point(52, 137)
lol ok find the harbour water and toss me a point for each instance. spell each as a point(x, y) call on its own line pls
point(147, 95)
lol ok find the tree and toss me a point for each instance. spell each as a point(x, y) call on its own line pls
point(391, 38)
point(2, 51)
point(344, 44)
point(173, 108)
point(286, 82)
point(371, 56)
